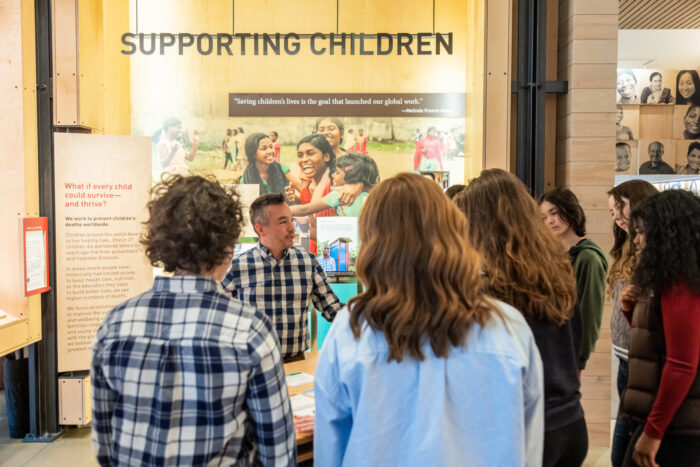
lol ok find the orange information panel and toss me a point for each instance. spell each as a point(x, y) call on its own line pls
point(35, 240)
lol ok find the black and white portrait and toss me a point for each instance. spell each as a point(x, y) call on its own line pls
point(627, 87)
point(655, 92)
point(655, 165)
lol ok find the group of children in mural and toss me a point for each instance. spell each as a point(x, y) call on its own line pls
point(335, 171)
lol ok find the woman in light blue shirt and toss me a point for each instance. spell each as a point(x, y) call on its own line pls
point(423, 368)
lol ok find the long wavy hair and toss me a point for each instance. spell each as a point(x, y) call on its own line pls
point(525, 264)
point(623, 252)
point(277, 181)
point(420, 271)
point(671, 255)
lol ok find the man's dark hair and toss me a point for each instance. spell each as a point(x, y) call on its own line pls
point(258, 214)
point(454, 190)
point(671, 255)
point(192, 222)
point(569, 208)
point(656, 73)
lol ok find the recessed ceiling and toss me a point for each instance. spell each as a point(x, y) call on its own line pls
point(675, 49)
point(659, 14)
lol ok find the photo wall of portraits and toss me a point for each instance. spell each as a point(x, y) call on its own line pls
point(658, 122)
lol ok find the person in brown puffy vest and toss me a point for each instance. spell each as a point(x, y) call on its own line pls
point(663, 305)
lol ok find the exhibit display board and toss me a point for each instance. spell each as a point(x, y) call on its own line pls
point(207, 77)
point(102, 185)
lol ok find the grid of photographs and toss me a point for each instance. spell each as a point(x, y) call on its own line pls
point(658, 122)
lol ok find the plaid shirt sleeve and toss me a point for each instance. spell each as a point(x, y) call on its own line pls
point(268, 399)
point(103, 400)
point(322, 296)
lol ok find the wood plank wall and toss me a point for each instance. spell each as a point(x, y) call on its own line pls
point(585, 159)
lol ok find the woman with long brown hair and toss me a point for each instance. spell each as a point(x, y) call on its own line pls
point(423, 368)
point(622, 200)
point(526, 266)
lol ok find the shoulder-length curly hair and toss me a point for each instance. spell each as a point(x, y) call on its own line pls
point(420, 271)
point(670, 221)
point(525, 265)
point(192, 222)
point(622, 252)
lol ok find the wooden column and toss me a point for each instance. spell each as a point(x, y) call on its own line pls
point(585, 160)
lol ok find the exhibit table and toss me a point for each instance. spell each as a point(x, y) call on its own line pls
point(305, 445)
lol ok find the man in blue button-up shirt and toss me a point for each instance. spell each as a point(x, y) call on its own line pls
point(280, 279)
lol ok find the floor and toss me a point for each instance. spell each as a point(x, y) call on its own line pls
point(74, 449)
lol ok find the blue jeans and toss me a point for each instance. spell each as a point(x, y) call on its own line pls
point(623, 427)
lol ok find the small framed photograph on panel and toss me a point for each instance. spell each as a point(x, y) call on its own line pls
point(627, 122)
point(688, 157)
point(656, 87)
point(657, 157)
point(626, 157)
point(627, 86)
point(686, 122)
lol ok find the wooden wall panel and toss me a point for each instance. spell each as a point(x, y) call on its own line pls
point(65, 62)
point(498, 96)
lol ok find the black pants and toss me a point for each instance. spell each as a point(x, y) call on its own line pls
point(675, 450)
point(566, 446)
point(228, 159)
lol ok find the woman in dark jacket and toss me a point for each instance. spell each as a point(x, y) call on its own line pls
point(663, 305)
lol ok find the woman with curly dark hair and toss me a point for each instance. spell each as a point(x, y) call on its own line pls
point(424, 368)
point(526, 266)
point(663, 304)
point(199, 372)
point(622, 199)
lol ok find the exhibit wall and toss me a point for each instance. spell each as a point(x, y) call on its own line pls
point(202, 61)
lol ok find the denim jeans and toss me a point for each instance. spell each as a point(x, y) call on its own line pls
point(623, 427)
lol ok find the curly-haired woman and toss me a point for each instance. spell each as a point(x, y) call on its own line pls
point(622, 199)
point(526, 266)
point(663, 390)
point(423, 368)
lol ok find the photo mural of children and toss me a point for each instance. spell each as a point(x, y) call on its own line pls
point(170, 149)
point(239, 139)
point(317, 160)
point(226, 148)
point(350, 168)
point(428, 155)
point(361, 142)
point(262, 169)
point(274, 136)
point(333, 130)
point(349, 141)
